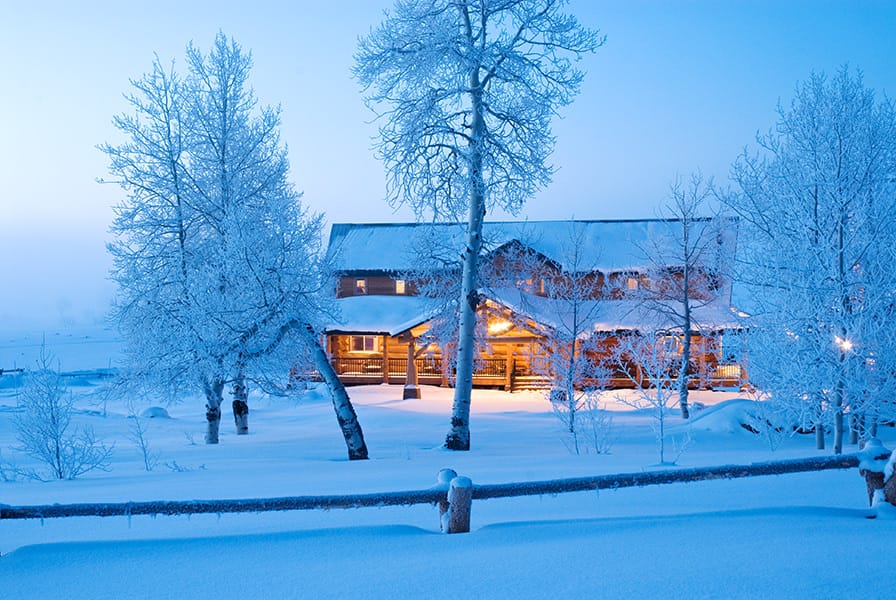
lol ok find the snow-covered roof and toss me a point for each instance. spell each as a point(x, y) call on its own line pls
point(393, 315)
point(610, 315)
point(607, 245)
point(381, 315)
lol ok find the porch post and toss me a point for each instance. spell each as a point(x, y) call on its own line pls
point(385, 359)
point(508, 371)
point(411, 387)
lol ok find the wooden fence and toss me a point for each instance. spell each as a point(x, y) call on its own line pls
point(453, 494)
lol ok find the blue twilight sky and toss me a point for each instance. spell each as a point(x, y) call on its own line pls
point(678, 86)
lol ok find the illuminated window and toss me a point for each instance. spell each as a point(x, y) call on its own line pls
point(364, 343)
point(525, 285)
point(400, 286)
point(497, 326)
point(360, 287)
point(631, 283)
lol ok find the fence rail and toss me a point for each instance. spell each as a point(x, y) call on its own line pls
point(644, 478)
point(443, 492)
point(186, 507)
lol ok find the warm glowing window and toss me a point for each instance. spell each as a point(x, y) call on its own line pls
point(400, 287)
point(525, 285)
point(360, 286)
point(364, 343)
point(497, 326)
point(631, 283)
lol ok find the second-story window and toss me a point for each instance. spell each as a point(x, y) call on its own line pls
point(400, 286)
point(360, 287)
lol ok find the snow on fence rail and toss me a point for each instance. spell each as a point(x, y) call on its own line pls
point(453, 494)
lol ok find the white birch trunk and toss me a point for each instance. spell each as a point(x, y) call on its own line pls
point(345, 412)
point(241, 404)
point(686, 322)
point(459, 436)
point(571, 402)
point(213, 399)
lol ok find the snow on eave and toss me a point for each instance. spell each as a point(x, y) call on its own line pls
point(610, 316)
point(380, 315)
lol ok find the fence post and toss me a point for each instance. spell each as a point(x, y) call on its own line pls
point(443, 482)
point(460, 501)
point(874, 459)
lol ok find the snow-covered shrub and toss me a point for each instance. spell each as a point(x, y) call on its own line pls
point(772, 421)
point(45, 432)
point(138, 432)
point(647, 363)
point(598, 425)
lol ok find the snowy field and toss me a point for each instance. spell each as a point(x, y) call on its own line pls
point(793, 536)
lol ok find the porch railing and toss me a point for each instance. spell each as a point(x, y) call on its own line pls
point(490, 367)
point(426, 367)
point(371, 366)
point(727, 371)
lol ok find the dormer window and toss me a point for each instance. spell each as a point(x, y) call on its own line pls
point(360, 287)
point(400, 287)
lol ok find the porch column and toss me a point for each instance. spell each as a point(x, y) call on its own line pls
point(385, 359)
point(508, 371)
point(411, 387)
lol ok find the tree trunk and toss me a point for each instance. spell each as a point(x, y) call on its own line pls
point(345, 412)
point(214, 391)
point(684, 371)
point(819, 436)
point(571, 404)
point(854, 426)
point(683, 386)
point(241, 404)
point(411, 382)
point(459, 436)
point(838, 420)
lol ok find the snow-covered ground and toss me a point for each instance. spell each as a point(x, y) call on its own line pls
point(791, 536)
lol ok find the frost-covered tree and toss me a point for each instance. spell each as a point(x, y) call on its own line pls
point(567, 299)
point(217, 261)
point(648, 360)
point(466, 90)
point(684, 269)
point(817, 205)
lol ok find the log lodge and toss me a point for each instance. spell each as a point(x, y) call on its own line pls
point(396, 282)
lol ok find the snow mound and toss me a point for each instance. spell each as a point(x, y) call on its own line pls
point(155, 412)
point(730, 416)
point(315, 393)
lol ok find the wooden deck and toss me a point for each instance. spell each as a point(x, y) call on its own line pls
point(492, 373)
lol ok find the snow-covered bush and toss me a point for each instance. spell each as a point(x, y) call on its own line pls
point(45, 432)
point(645, 360)
point(598, 432)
